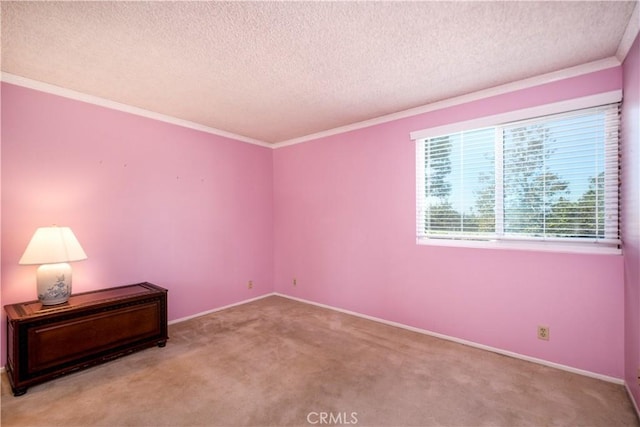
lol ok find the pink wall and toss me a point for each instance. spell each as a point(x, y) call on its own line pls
point(201, 215)
point(344, 224)
point(149, 201)
point(631, 215)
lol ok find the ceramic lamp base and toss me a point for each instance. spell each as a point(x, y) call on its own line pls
point(54, 283)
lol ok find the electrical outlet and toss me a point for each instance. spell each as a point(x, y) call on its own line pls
point(543, 332)
point(250, 284)
point(638, 376)
point(295, 282)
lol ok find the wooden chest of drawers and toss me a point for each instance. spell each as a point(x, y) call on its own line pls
point(44, 342)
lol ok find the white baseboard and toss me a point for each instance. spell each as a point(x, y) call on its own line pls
point(182, 319)
point(424, 332)
point(203, 313)
point(466, 342)
point(633, 401)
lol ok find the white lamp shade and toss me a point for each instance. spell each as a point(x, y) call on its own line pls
point(52, 245)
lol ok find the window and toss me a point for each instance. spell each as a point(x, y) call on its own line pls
point(551, 179)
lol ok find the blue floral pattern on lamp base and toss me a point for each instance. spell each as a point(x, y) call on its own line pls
point(59, 291)
point(54, 283)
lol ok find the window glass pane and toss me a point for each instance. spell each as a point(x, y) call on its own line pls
point(554, 177)
point(459, 183)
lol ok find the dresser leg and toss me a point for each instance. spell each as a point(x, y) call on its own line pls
point(162, 343)
point(19, 391)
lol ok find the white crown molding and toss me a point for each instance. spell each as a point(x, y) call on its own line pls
point(579, 70)
point(102, 102)
point(630, 34)
point(589, 101)
point(463, 99)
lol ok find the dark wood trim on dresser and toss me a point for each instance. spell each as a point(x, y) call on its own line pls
point(44, 342)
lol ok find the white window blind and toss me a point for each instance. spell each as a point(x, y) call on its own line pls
point(552, 179)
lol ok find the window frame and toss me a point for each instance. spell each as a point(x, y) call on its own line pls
point(563, 245)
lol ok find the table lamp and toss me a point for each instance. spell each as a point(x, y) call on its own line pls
point(53, 247)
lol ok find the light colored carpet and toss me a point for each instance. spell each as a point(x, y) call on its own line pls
point(277, 362)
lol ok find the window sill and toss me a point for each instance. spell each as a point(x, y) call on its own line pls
point(571, 248)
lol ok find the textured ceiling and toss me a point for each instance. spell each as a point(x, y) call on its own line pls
point(276, 71)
